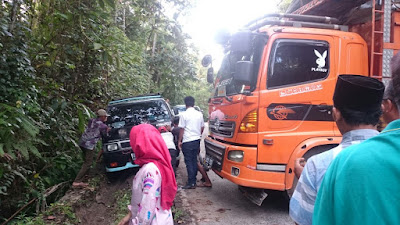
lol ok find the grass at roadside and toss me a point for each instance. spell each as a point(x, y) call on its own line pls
point(178, 214)
point(57, 213)
point(123, 199)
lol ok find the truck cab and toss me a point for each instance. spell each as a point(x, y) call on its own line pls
point(272, 101)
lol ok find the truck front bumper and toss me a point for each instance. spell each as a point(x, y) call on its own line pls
point(244, 173)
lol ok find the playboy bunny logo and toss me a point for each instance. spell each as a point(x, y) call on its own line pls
point(321, 62)
point(321, 58)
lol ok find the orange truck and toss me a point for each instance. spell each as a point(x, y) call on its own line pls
point(272, 101)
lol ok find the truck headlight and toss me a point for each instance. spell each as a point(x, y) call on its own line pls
point(122, 133)
point(236, 155)
point(112, 147)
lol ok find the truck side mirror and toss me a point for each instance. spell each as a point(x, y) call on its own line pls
point(244, 71)
point(206, 61)
point(210, 75)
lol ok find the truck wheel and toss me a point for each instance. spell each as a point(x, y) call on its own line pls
point(309, 153)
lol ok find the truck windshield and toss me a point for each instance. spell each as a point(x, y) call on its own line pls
point(136, 113)
point(225, 84)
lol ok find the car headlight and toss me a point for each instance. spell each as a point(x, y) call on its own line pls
point(236, 155)
point(112, 147)
point(122, 133)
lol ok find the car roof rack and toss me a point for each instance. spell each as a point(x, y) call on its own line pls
point(135, 98)
point(295, 20)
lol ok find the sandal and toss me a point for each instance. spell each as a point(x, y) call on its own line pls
point(205, 185)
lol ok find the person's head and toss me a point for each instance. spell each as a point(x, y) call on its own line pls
point(102, 115)
point(176, 121)
point(395, 67)
point(357, 102)
point(189, 101)
point(389, 106)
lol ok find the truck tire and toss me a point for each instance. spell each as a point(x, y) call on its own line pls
point(314, 151)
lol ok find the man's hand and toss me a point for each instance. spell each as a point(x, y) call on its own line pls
point(99, 155)
point(180, 145)
point(299, 166)
point(181, 131)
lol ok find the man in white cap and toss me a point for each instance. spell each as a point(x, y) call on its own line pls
point(95, 128)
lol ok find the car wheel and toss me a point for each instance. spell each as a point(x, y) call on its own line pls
point(111, 177)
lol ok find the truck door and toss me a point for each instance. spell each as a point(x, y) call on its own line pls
point(295, 97)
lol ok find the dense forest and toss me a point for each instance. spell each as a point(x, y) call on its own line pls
point(62, 59)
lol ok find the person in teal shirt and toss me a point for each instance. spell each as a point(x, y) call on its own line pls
point(362, 184)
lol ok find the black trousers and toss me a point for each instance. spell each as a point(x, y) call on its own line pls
point(174, 154)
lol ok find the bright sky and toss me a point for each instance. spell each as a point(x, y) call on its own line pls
point(209, 16)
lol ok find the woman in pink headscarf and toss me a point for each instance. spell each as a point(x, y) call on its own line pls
point(154, 186)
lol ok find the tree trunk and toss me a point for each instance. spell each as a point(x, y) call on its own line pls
point(13, 15)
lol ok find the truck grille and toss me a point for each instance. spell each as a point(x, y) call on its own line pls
point(222, 128)
point(216, 152)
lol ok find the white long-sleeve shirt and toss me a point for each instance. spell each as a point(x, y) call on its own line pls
point(169, 140)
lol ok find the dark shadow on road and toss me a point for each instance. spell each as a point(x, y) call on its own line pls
point(276, 200)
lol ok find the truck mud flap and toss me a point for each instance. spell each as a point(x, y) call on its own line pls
point(255, 195)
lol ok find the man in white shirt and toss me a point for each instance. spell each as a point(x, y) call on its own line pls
point(192, 124)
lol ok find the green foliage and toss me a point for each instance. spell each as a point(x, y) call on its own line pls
point(16, 72)
point(64, 214)
point(284, 5)
point(61, 59)
point(18, 133)
point(177, 213)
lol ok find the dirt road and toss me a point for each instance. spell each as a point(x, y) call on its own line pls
point(224, 203)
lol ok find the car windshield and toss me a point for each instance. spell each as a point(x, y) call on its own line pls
point(180, 109)
point(139, 112)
